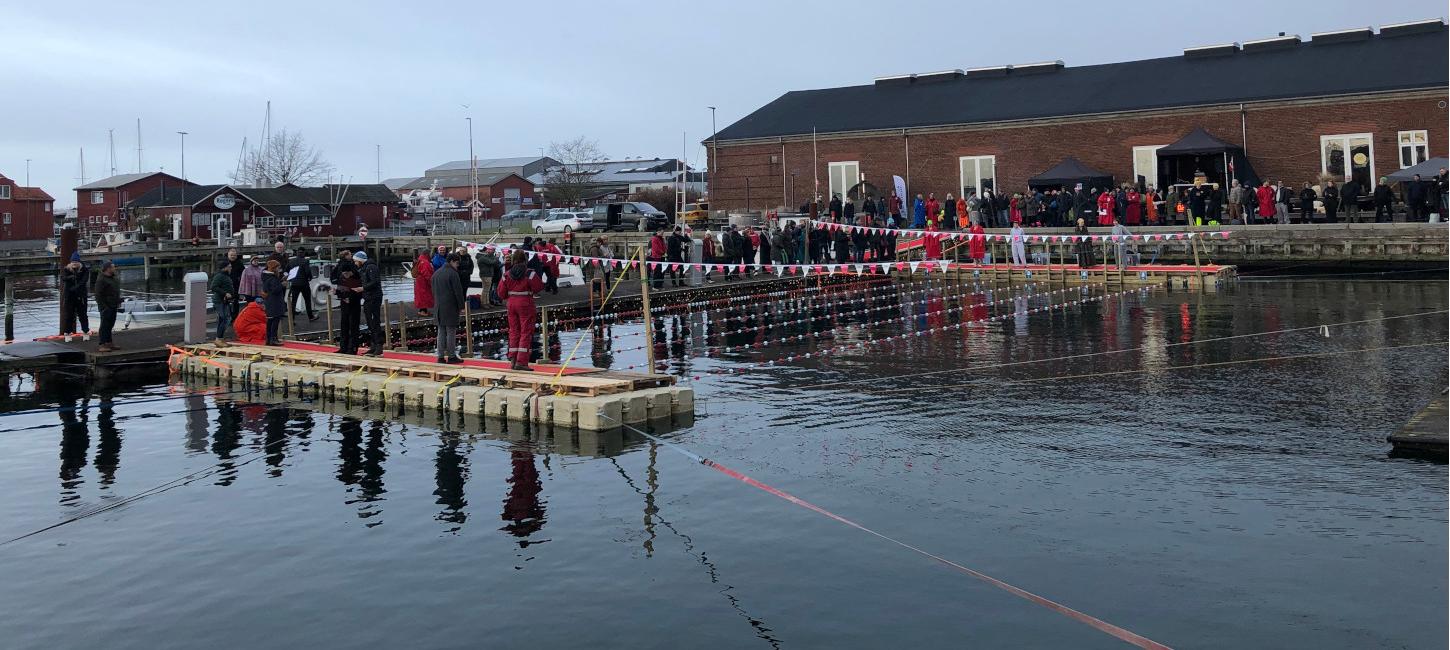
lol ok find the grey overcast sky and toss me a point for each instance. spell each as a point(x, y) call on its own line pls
point(635, 76)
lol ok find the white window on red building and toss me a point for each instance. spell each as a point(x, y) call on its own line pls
point(1145, 163)
point(7, 218)
point(264, 222)
point(1348, 157)
point(843, 176)
point(977, 173)
point(4, 192)
point(319, 220)
point(1414, 148)
point(98, 197)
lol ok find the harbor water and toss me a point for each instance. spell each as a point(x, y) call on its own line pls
point(1203, 469)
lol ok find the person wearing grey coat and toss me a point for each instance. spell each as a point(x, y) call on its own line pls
point(448, 297)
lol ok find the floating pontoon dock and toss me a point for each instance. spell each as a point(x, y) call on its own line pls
point(585, 398)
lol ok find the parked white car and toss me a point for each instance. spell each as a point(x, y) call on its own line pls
point(564, 222)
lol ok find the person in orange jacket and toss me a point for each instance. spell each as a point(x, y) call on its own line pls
point(518, 287)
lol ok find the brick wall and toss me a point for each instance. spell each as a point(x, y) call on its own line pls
point(1283, 143)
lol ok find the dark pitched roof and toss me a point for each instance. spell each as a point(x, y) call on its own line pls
point(363, 193)
point(172, 195)
point(1321, 68)
point(1198, 142)
point(1070, 170)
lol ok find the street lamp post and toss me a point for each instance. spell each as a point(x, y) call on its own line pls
point(183, 167)
point(714, 148)
point(473, 208)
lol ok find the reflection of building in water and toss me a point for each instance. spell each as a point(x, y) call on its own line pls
point(450, 475)
point(522, 508)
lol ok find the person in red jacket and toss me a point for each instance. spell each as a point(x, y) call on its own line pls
point(932, 244)
point(977, 247)
point(422, 284)
point(1133, 212)
point(251, 325)
point(932, 207)
point(518, 287)
point(1265, 195)
point(551, 262)
point(1105, 208)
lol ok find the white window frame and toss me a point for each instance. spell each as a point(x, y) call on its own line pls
point(97, 197)
point(1400, 147)
point(7, 218)
point(4, 192)
point(844, 166)
point(200, 219)
point(288, 221)
point(264, 222)
point(976, 162)
point(1151, 177)
point(1344, 138)
point(319, 220)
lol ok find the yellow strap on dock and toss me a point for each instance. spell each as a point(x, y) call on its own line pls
point(348, 386)
point(564, 366)
point(450, 382)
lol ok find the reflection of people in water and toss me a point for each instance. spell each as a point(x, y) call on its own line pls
point(275, 427)
point(108, 450)
point(451, 474)
point(601, 347)
point(372, 467)
point(522, 508)
point(75, 440)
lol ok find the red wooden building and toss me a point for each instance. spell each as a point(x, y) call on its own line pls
point(26, 213)
point(329, 210)
point(100, 204)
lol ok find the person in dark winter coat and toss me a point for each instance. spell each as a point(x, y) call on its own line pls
point(348, 288)
point(274, 300)
point(1084, 244)
point(1306, 202)
point(489, 271)
point(1415, 194)
point(223, 294)
point(108, 301)
point(1331, 202)
point(1349, 200)
point(372, 305)
point(448, 297)
point(1384, 202)
point(299, 283)
point(75, 280)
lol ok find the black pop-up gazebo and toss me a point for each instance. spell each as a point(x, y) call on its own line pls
point(1070, 172)
point(1200, 151)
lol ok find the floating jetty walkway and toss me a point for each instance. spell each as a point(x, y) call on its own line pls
point(584, 398)
point(1426, 433)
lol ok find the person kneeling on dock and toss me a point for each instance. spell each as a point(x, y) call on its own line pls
point(448, 297)
point(518, 287)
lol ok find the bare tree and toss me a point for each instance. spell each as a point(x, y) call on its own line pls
point(285, 158)
point(566, 183)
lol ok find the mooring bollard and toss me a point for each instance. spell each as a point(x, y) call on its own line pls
point(195, 297)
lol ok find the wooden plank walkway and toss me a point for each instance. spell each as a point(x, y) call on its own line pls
point(1425, 433)
point(586, 382)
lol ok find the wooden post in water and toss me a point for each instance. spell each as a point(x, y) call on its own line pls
point(1197, 268)
point(329, 318)
point(467, 327)
point(649, 327)
point(291, 330)
point(387, 327)
point(402, 326)
point(9, 308)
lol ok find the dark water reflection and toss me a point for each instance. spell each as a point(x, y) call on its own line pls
point(1244, 504)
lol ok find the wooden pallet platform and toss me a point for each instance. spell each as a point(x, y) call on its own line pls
point(585, 383)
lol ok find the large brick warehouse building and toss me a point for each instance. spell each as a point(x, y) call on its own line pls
point(1353, 104)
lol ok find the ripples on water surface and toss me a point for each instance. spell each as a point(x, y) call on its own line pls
point(1230, 506)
